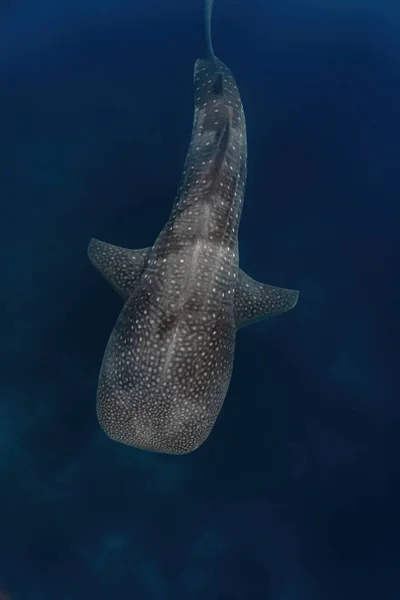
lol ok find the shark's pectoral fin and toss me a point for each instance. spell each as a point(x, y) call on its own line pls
point(255, 301)
point(121, 267)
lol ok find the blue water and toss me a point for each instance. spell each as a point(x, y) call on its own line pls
point(295, 496)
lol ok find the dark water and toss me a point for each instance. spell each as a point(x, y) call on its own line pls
point(295, 496)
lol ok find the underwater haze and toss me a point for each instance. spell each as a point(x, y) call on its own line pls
point(295, 495)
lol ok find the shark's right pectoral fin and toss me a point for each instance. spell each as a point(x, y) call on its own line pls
point(255, 301)
point(121, 267)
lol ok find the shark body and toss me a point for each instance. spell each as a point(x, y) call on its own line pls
point(168, 362)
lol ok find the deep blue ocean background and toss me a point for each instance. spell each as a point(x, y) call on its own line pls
point(296, 494)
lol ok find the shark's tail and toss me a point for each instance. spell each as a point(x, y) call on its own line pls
point(208, 6)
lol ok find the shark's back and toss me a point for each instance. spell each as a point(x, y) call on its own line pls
point(176, 333)
point(168, 363)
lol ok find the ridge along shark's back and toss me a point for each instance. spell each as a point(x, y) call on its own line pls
point(168, 362)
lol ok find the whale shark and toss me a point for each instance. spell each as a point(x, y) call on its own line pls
point(168, 362)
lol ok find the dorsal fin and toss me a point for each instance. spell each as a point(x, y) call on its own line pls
point(221, 145)
point(218, 85)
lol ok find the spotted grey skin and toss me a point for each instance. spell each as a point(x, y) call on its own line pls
point(168, 362)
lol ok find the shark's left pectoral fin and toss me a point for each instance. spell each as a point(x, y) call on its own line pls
point(121, 267)
point(255, 301)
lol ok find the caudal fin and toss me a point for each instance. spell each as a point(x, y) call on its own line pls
point(208, 6)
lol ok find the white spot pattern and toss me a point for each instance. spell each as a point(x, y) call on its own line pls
point(168, 363)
